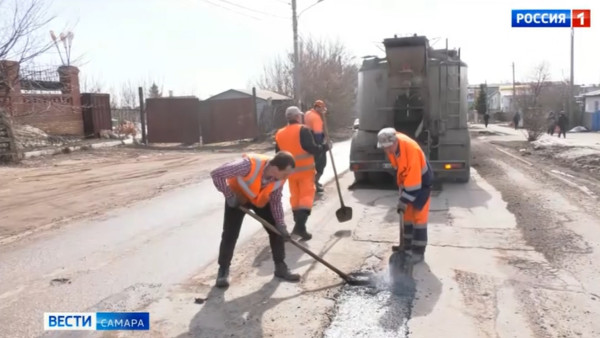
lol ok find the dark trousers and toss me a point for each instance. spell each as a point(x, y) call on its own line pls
point(320, 163)
point(562, 130)
point(232, 223)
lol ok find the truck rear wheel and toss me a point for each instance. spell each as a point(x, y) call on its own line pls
point(465, 176)
point(360, 176)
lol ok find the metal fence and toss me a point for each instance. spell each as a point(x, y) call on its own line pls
point(173, 120)
point(125, 114)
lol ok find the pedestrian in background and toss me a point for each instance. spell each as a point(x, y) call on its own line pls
point(563, 124)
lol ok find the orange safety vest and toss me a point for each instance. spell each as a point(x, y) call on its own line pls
point(250, 186)
point(288, 139)
point(314, 121)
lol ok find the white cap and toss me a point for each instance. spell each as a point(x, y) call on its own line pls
point(292, 111)
point(386, 137)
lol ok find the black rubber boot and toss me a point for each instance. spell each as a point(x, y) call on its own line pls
point(282, 271)
point(418, 254)
point(301, 217)
point(223, 277)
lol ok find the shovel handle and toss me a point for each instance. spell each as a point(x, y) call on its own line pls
point(401, 223)
point(306, 250)
point(337, 183)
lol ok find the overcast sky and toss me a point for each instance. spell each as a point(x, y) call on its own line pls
point(204, 47)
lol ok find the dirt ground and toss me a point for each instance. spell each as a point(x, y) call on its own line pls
point(580, 160)
point(44, 192)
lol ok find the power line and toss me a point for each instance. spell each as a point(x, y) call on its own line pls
point(252, 10)
point(229, 9)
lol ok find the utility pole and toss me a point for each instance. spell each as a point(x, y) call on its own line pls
point(487, 99)
point(296, 73)
point(142, 115)
point(514, 97)
point(570, 112)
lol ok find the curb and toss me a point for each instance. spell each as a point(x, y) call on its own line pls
point(55, 151)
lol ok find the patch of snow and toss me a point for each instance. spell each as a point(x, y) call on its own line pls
point(574, 153)
point(579, 129)
point(547, 141)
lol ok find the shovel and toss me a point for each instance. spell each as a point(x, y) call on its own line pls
point(350, 280)
point(401, 266)
point(344, 213)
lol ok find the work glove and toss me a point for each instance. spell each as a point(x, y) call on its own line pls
point(325, 147)
point(283, 231)
point(233, 201)
point(401, 207)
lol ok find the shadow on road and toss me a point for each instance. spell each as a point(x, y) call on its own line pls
point(239, 317)
point(429, 289)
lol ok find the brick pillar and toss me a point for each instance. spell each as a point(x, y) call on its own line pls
point(10, 87)
point(69, 77)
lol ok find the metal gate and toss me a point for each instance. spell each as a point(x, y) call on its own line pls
point(96, 112)
point(173, 120)
point(228, 120)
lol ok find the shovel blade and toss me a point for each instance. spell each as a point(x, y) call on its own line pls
point(344, 214)
point(400, 264)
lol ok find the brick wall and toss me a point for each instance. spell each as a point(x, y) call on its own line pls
point(56, 114)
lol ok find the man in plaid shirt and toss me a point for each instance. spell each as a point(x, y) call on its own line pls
point(238, 181)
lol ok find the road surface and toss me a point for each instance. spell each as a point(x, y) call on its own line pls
point(123, 255)
point(513, 253)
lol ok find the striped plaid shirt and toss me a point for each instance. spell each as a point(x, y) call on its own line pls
point(242, 168)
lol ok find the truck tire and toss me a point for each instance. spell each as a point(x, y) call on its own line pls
point(382, 179)
point(465, 176)
point(360, 176)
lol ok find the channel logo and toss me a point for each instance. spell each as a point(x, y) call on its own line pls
point(540, 18)
point(97, 321)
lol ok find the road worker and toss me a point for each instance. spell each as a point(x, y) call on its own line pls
point(314, 121)
point(256, 182)
point(298, 140)
point(414, 177)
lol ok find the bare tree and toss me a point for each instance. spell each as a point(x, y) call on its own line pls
point(278, 76)
point(20, 23)
point(129, 95)
point(90, 84)
point(327, 71)
point(533, 112)
point(114, 98)
point(20, 26)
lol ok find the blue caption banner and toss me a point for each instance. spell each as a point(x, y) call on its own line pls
point(541, 18)
point(108, 321)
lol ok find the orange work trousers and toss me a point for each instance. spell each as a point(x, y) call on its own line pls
point(302, 192)
point(415, 226)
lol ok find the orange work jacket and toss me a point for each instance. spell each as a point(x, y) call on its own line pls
point(413, 172)
point(314, 121)
point(250, 186)
point(288, 139)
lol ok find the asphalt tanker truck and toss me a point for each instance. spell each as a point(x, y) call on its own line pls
point(421, 92)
